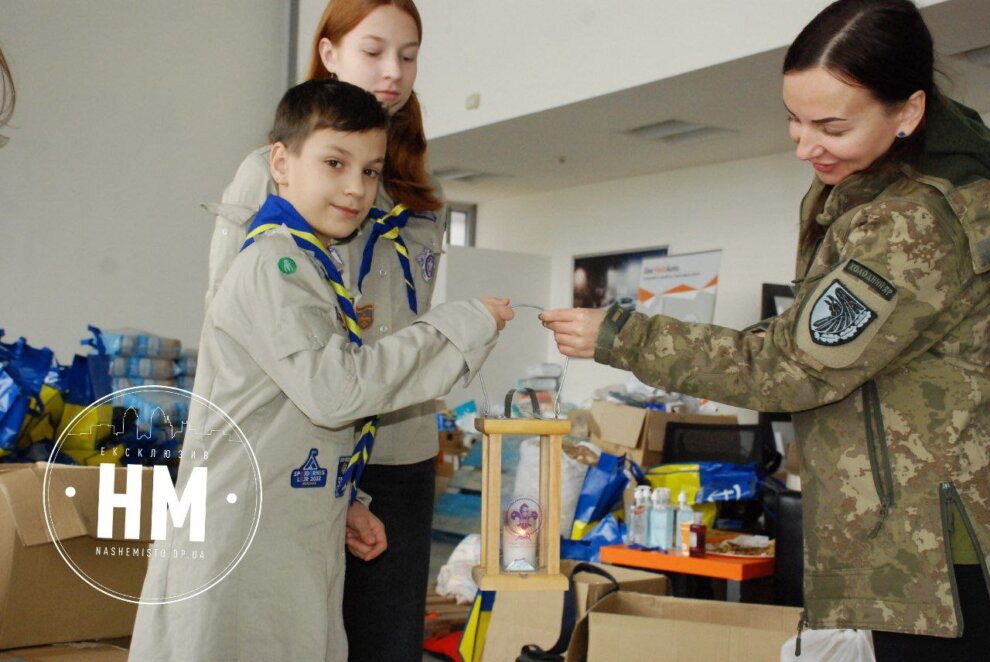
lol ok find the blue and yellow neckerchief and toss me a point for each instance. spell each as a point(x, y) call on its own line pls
point(387, 225)
point(275, 213)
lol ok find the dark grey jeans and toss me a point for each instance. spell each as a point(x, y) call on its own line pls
point(385, 599)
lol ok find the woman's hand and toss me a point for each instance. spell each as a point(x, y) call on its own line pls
point(365, 535)
point(574, 329)
point(499, 308)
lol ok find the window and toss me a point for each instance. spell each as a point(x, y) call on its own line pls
point(460, 223)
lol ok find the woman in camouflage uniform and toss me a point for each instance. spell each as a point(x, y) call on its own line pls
point(884, 357)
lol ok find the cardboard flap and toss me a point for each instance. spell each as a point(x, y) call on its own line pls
point(618, 424)
point(70, 517)
point(22, 491)
point(632, 626)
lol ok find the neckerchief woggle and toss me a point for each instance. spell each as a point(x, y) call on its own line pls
point(387, 225)
point(275, 213)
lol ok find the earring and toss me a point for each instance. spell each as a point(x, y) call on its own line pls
point(333, 76)
point(901, 134)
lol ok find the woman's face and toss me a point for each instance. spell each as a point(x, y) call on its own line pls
point(379, 55)
point(841, 128)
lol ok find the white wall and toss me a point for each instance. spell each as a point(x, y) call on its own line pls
point(129, 115)
point(749, 209)
point(523, 57)
point(467, 273)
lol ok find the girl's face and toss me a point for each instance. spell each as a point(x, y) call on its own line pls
point(379, 55)
point(841, 128)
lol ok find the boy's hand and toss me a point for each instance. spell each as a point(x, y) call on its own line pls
point(365, 536)
point(574, 329)
point(499, 308)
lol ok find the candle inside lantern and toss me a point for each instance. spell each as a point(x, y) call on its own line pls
point(520, 528)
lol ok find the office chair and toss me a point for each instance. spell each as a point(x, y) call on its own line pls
point(737, 444)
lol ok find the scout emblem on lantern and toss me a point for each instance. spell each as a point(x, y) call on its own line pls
point(519, 535)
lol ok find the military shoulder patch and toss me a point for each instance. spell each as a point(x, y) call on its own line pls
point(838, 317)
point(877, 283)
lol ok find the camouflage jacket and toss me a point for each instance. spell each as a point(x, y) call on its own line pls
point(885, 360)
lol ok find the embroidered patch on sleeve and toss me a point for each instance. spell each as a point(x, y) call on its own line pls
point(878, 283)
point(287, 265)
point(838, 316)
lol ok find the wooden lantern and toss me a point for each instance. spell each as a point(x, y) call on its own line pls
point(490, 575)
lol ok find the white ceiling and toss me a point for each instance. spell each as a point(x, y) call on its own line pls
point(584, 142)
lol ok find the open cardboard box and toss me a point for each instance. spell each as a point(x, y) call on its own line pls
point(42, 601)
point(639, 433)
point(533, 617)
point(86, 651)
point(634, 627)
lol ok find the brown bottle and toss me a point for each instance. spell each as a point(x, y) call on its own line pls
point(698, 531)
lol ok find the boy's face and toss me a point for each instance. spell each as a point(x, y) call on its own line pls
point(332, 180)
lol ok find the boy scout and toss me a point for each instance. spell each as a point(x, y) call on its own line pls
point(277, 356)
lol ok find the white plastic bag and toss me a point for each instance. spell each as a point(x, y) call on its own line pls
point(830, 646)
point(454, 579)
point(527, 481)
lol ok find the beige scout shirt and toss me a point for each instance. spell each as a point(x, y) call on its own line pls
point(275, 357)
point(405, 436)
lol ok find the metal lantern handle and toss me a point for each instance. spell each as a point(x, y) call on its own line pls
point(532, 399)
point(532, 394)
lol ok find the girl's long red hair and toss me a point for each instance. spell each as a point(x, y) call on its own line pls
point(405, 175)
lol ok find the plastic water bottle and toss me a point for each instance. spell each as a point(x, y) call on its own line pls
point(661, 529)
point(638, 516)
point(685, 518)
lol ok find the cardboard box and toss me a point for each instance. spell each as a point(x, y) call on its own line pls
point(639, 433)
point(86, 651)
point(533, 617)
point(42, 601)
point(633, 627)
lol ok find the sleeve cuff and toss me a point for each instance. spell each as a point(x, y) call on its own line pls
point(615, 318)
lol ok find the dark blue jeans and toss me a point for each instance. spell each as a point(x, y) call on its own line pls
point(385, 599)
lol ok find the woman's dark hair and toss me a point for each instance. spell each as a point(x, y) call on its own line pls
point(883, 46)
point(325, 104)
point(7, 95)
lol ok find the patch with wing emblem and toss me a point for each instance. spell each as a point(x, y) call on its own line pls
point(838, 316)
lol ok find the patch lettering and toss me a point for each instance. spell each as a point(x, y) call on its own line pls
point(838, 317)
point(877, 283)
point(342, 463)
point(310, 474)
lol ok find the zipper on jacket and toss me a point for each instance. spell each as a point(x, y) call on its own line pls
point(876, 444)
point(802, 624)
point(948, 495)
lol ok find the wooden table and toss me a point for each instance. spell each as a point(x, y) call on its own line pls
point(733, 569)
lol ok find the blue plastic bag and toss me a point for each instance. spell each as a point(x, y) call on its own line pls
point(22, 373)
point(602, 488)
point(609, 531)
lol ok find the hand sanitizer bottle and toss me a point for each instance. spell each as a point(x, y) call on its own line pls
point(638, 515)
point(661, 520)
point(685, 518)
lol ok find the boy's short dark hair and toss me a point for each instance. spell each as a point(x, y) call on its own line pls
point(325, 104)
